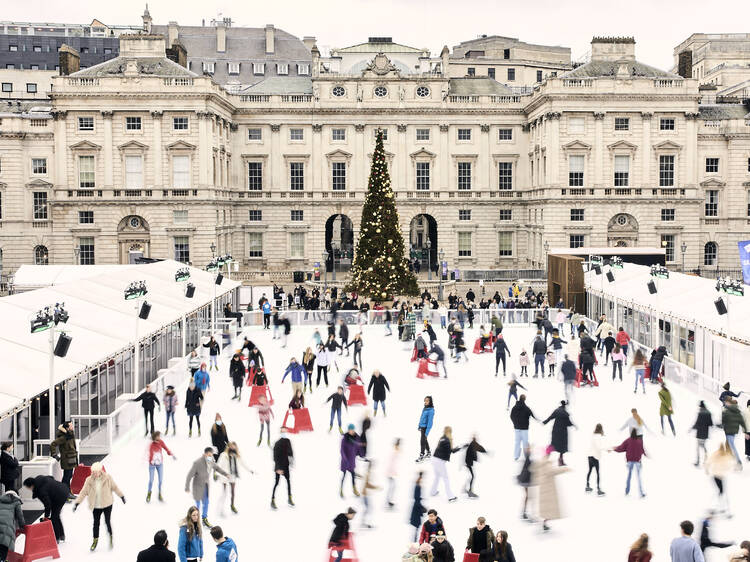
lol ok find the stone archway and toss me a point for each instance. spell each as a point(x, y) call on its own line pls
point(134, 239)
point(622, 231)
point(423, 228)
point(339, 239)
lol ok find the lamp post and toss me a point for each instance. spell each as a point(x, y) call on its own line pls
point(730, 287)
point(428, 245)
point(546, 252)
point(334, 249)
point(214, 268)
point(325, 261)
point(683, 249)
point(441, 255)
point(183, 277)
point(136, 291)
point(657, 272)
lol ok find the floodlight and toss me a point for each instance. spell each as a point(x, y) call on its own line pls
point(183, 274)
point(730, 286)
point(135, 290)
point(659, 271)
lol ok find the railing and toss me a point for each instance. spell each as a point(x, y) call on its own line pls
point(714, 272)
point(463, 99)
point(505, 99)
point(82, 81)
point(178, 81)
point(667, 83)
point(577, 82)
point(256, 98)
point(304, 98)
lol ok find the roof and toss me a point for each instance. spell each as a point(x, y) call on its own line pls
point(478, 86)
point(281, 85)
point(101, 322)
point(369, 47)
point(609, 69)
point(38, 109)
point(722, 111)
point(153, 66)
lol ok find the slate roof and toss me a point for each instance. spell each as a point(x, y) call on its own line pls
point(154, 66)
point(723, 111)
point(604, 69)
point(281, 85)
point(478, 86)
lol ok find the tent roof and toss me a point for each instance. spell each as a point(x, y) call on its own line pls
point(101, 322)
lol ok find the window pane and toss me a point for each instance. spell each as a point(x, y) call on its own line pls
point(423, 175)
point(622, 171)
point(505, 175)
point(86, 257)
point(254, 134)
point(86, 171)
point(255, 244)
point(464, 244)
point(297, 240)
point(297, 175)
point(40, 205)
point(133, 172)
point(181, 171)
point(667, 242)
point(505, 243)
point(464, 175)
point(255, 176)
point(182, 248)
point(338, 172)
point(666, 170)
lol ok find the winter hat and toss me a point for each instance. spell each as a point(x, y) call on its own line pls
point(351, 427)
point(170, 387)
point(96, 467)
point(726, 386)
point(414, 548)
point(351, 511)
point(702, 404)
point(424, 548)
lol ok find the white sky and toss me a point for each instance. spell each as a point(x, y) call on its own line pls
point(658, 25)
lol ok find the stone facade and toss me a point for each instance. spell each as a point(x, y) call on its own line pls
point(145, 157)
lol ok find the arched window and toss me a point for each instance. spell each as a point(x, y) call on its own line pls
point(710, 253)
point(41, 255)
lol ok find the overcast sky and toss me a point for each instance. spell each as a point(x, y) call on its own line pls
point(658, 25)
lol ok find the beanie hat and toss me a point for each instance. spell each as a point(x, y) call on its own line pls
point(351, 427)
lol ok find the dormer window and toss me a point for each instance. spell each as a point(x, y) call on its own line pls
point(259, 68)
point(282, 68)
point(208, 67)
point(303, 69)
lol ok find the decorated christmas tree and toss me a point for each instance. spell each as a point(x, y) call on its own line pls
point(380, 268)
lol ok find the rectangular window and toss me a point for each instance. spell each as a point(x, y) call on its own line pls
point(491, 73)
point(464, 134)
point(182, 249)
point(296, 176)
point(37, 48)
point(86, 172)
point(296, 134)
point(505, 243)
point(181, 171)
point(338, 176)
point(132, 123)
point(577, 215)
point(254, 134)
point(506, 214)
point(712, 203)
point(505, 175)
point(666, 170)
point(208, 67)
point(511, 74)
point(667, 242)
point(539, 76)
point(180, 217)
point(464, 214)
point(296, 215)
point(423, 135)
point(233, 68)
point(255, 176)
point(255, 244)
point(666, 124)
point(10, 66)
point(85, 217)
point(712, 165)
point(40, 205)
point(1, 205)
point(255, 215)
point(303, 69)
point(38, 165)
point(576, 240)
point(282, 68)
point(30, 88)
point(86, 257)
point(107, 51)
point(470, 71)
point(622, 123)
point(423, 175)
point(622, 171)
point(297, 245)
point(7, 87)
point(506, 53)
point(338, 134)
point(576, 125)
point(34, 67)
point(180, 123)
point(133, 172)
point(384, 131)
point(464, 244)
point(85, 123)
point(259, 68)
point(13, 48)
point(464, 175)
point(667, 215)
point(505, 134)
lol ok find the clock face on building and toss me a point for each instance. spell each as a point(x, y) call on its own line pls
point(135, 222)
point(381, 91)
point(338, 91)
point(423, 91)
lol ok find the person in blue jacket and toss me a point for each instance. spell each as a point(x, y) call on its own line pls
point(299, 375)
point(202, 379)
point(266, 314)
point(190, 543)
point(425, 425)
point(226, 550)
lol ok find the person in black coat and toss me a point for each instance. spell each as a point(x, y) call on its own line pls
point(587, 357)
point(344, 335)
point(609, 344)
point(472, 449)
point(214, 350)
point(53, 495)
point(442, 550)
point(340, 532)
point(560, 430)
point(148, 400)
point(193, 403)
point(520, 415)
point(500, 551)
point(282, 455)
point(430, 331)
point(10, 470)
point(157, 552)
point(501, 348)
point(378, 385)
point(237, 372)
point(702, 427)
point(219, 437)
point(539, 350)
point(417, 509)
point(256, 357)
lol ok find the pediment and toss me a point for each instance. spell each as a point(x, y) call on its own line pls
point(423, 153)
point(133, 145)
point(85, 145)
point(713, 182)
point(667, 145)
point(622, 145)
point(338, 153)
point(181, 145)
point(38, 182)
point(577, 145)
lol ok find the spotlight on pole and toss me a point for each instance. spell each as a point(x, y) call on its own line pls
point(135, 290)
point(730, 286)
point(615, 262)
point(183, 274)
point(44, 320)
point(659, 271)
point(212, 266)
point(596, 260)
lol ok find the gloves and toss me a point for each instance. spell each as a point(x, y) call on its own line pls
point(123, 499)
point(56, 457)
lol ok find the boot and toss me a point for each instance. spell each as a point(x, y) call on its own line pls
point(269, 441)
point(356, 493)
point(206, 523)
point(234, 509)
point(472, 494)
point(341, 491)
point(148, 497)
point(190, 434)
point(341, 431)
point(375, 413)
point(93, 545)
point(161, 498)
point(273, 504)
point(259, 440)
point(111, 542)
point(199, 432)
point(330, 428)
point(166, 431)
point(599, 492)
point(289, 501)
point(588, 488)
point(420, 458)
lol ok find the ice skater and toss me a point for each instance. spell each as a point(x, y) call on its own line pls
point(357, 343)
point(424, 427)
point(665, 408)
point(282, 460)
point(100, 489)
point(393, 472)
point(596, 448)
point(199, 476)
point(634, 452)
point(513, 386)
point(718, 466)
point(193, 405)
point(439, 358)
point(618, 358)
point(237, 373)
point(308, 361)
point(440, 460)
point(556, 346)
point(638, 366)
point(501, 349)
point(731, 420)
point(417, 509)
point(214, 350)
point(337, 399)
point(519, 416)
point(156, 462)
point(560, 430)
point(702, 426)
point(265, 413)
point(378, 385)
point(350, 448)
point(231, 461)
point(523, 361)
point(635, 422)
point(322, 360)
point(366, 487)
point(472, 448)
point(170, 407)
point(545, 473)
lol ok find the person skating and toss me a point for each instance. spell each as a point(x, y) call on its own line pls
point(702, 426)
point(544, 476)
point(639, 551)
point(202, 379)
point(417, 509)
point(684, 548)
point(337, 399)
point(609, 344)
point(706, 541)
point(378, 385)
point(450, 329)
point(259, 377)
point(219, 436)
point(297, 401)
point(657, 359)
point(588, 358)
point(256, 357)
point(170, 407)
point(148, 401)
point(556, 346)
point(731, 421)
point(539, 349)
point(500, 551)
point(65, 450)
point(439, 358)
point(190, 542)
point(623, 340)
point(349, 449)
point(523, 362)
point(393, 472)
point(634, 452)
point(343, 336)
point(480, 537)
point(231, 461)
point(635, 422)
point(618, 358)
point(99, 488)
point(665, 408)
point(424, 427)
point(440, 460)
point(727, 393)
point(282, 460)
point(366, 423)
point(519, 415)
point(322, 359)
point(524, 479)
point(194, 362)
point(718, 466)
point(472, 448)
point(157, 552)
point(237, 373)
point(430, 331)
point(308, 361)
point(420, 347)
point(53, 495)
point(501, 349)
point(265, 413)
point(214, 350)
point(432, 526)
point(442, 550)
point(569, 373)
point(357, 343)
point(340, 535)
point(560, 430)
point(596, 448)
point(298, 375)
point(193, 405)
point(366, 487)
point(11, 521)
point(10, 470)
point(226, 550)
point(156, 462)
point(458, 342)
point(199, 476)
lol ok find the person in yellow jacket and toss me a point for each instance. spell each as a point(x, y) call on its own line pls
point(99, 488)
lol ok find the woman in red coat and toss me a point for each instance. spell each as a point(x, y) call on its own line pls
point(639, 552)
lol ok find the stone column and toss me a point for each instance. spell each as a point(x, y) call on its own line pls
point(645, 152)
point(691, 153)
point(156, 150)
point(598, 150)
point(445, 161)
point(109, 180)
point(277, 175)
point(553, 149)
point(360, 164)
point(204, 149)
point(317, 161)
point(60, 179)
point(483, 165)
point(404, 161)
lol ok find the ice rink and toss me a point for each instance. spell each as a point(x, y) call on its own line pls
point(472, 401)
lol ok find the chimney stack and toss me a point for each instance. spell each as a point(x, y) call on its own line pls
point(221, 36)
point(315, 61)
point(176, 52)
point(308, 41)
point(172, 33)
point(269, 39)
point(70, 61)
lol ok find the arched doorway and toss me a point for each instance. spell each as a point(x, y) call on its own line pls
point(134, 238)
point(339, 242)
point(423, 229)
point(622, 231)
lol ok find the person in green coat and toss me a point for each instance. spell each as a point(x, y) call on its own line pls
point(665, 409)
point(11, 520)
point(731, 420)
point(64, 449)
point(497, 324)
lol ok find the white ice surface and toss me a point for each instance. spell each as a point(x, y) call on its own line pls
point(470, 400)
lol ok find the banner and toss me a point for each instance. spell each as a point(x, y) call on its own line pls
point(745, 260)
point(444, 267)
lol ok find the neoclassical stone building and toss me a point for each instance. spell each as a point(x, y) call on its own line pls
point(140, 156)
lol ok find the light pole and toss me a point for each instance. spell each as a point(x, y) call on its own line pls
point(428, 245)
point(441, 255)
point(546, 254)
point(683, 249)
point(213, 267)
point(137, 291)
point(657, 272)
point(183, 276)
point(730, 287)
point(334, 249)
point(325, 261)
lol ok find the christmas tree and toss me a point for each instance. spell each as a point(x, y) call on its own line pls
point(380, 268)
